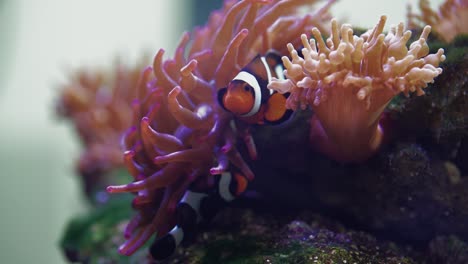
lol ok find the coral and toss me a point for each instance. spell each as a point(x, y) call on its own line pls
point(349, 80)
point(180, 136)
point(98, 104)
point(449, 21)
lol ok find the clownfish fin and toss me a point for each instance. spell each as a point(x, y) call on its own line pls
point(221, 93)
point(276, 111)
point(274, 57)
point(240, 185)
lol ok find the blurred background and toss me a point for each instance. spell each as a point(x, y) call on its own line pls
point(41, 42)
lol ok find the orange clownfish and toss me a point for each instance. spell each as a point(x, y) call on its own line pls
point(248, 97)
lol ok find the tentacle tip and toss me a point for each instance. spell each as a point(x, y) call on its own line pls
point(124, 251)
point(158, 160)
point(135, 103)
point(148, 69)
point(215, 171)
point(244, 31)
point(145, 119)
point(130, 153)
point(110, 189)
point(174, 92)
point(225, 149)
point(250, 176)
point(186, 34)
point(140, 177)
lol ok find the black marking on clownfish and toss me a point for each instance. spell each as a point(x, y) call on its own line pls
point(248, 97)
point(196, 207)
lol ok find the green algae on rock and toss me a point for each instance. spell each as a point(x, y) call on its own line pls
point(92, 238)
point(241, 236)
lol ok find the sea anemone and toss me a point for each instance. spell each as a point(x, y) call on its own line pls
point(99, 105)
point(349, 80)
point(180, 136)
point(449, 21)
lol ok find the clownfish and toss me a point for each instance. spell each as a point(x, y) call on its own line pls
point(196, 207)
point(248, 97)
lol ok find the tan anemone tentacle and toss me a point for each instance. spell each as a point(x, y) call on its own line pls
point(249, 17)
point(133, 168)
point(348, 81)
point(229, 65)
point(158, 179)
point(182, 156)
point(223, 163)
point(179, 56)
point(197, 87)
point(99, 105)
point(448, 22)
point(160, 142)
point(158, 70)
point(132, 225)
point(236, 158)
point(226, 28)
point(183, 115)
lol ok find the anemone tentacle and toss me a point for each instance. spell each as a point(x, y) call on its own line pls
point(180, 136)
point(348, 81)
point(99, 105)
point(449, 21)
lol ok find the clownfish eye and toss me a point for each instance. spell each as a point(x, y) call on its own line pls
point(248, 88)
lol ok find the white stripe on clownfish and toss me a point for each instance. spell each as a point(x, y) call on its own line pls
point(224, 183)
point(165, 246)
point(268, 71)
point(256, 76)
point(193, 199)
point(251, 80)
point(279, 70)
point(178, 235)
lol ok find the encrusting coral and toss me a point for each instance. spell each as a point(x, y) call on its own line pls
point(180, 135)
point(449, 21)
point(348, 81)
point(99, 105)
